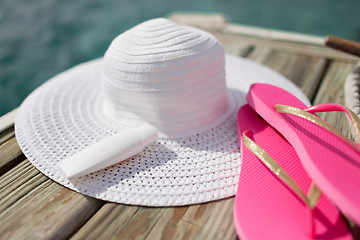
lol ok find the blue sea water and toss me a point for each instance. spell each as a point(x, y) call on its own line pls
point(40, 38)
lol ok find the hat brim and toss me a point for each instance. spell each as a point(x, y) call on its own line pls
point(65, 114)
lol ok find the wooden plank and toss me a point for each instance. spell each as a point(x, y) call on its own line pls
point(238, 49)
point(6, 135)
point(211, 220)
point(10, 155)
point(204, 21)
point(26, 191)
point(273, 35)
point(218, 22)
point(343, 45)
point(168, 225)
point(260, 54)
point(290, 47)
point(214, 220)
point(33, 206)
point(117, 221)
point(7, 120)
point(305, 71)
point(187, 230)
point(49, 211)
point(332, 91)
point(27, 195)
point(332, 87)
point(105, 223)
point(261, 37)
point(18, 182)
point(14, 174)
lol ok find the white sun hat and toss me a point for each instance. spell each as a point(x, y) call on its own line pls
point(175, 78)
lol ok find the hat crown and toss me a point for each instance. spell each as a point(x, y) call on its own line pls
point(168, 75)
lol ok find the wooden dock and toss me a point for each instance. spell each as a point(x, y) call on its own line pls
point(33, 206)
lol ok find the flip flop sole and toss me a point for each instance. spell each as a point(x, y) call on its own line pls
point(265, 208)
point(332, 163)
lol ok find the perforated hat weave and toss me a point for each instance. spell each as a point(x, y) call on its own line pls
point(177, 79)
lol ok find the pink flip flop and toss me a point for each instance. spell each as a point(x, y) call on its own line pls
point(271, 204)
point(330, 159)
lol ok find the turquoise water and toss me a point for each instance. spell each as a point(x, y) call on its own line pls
point(41, 38)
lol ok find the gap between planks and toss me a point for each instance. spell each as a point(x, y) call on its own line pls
point(10, 155)
point(32, 205)
point(289, 47)
point(332, 90)
point(18, 182)
point(48, 211)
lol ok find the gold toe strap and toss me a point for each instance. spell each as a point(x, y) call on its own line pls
point(318, 121)
point(313, 194)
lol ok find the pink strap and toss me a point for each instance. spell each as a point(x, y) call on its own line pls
point(330, 107)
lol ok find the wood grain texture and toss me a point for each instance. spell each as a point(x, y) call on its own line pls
point(305, 71)
point(49, 211)
point(6, 134)
point(273, 35)
point(343, 45)
point(168, 226)
point(284, 46)
point(332, 87)
point(203, 221)
point(117, 221)
point(219, 23)
point(238, 49)
point(204, 21)
point(215, 220)
point(32, 206)
point(18, 182)
point(10, 155)
point(260, 54)
point(331, 90)
point(7, 121)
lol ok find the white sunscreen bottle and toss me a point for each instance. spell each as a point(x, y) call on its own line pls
point(108, 151)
